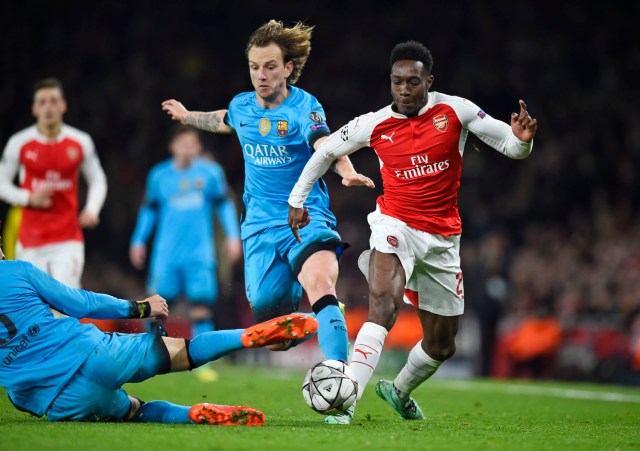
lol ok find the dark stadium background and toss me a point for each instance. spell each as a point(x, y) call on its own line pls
point(554, 237)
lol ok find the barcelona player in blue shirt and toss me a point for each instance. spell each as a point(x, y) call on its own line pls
point(182, 195)
point(71, 371)
point(279, 126)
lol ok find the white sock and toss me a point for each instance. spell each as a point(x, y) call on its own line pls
point(419, 368)
point(366, 353)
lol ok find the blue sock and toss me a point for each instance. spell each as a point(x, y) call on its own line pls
point(200, 327)
point(332, 329)
point(210, 346)
point(162, 412)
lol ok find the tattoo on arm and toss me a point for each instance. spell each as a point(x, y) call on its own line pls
point(204, 121)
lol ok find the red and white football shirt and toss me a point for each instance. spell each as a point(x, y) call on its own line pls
point(52, 164)
point(420, 158)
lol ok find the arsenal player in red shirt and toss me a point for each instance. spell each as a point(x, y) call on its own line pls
point(415, 229)
point(49, 155)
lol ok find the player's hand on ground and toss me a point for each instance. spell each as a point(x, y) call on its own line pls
point(298, 218)
point(88, 220)
point(138, 255)
point(523, 125)
point(356, 179)
point(41, 198)
point(175, 109)
point(233, 250)
point(159, 308)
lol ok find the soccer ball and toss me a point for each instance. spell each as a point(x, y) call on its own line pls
point(330, 387)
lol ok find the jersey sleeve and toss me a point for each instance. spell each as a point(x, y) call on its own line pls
point(230, 115)
point(9, 166)
point(351, 137)
point(492, 132)
point(94, 176)
point(148, 214)
point(313, 122)
point(75, 302)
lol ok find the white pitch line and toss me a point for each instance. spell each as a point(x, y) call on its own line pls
point(540, 391)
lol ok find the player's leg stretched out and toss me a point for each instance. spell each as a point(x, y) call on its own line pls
point(210, 346)
point(134, 358)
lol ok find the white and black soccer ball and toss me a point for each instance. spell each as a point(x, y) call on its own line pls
point(330, 387)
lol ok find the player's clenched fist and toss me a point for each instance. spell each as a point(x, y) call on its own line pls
point(175, 109)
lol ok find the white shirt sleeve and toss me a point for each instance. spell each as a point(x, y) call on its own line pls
point(351, 137)
point(94, 176)
point(9, 166)
point(493, 132)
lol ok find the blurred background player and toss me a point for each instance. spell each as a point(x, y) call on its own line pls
point(183, 195)
point(49, 155)
point(278, 126)
point(416, 227)
point(70, 371)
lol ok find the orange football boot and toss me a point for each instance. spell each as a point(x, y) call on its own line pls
point(216, 414)
point(294, 326)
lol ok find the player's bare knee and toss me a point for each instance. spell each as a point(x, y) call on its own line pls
point(317, 287)
point(200, 312)
point(440, 351)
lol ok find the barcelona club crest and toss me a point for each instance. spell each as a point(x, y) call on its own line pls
point(283, 128)
point(441, 123)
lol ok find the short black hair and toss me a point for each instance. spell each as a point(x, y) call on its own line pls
point(50, 82)
point(180, 129)
point(413, 51)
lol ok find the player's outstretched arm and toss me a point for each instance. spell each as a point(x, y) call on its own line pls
point(212, 121)
point(514, 140)
point(344, 168)
point(87, 304)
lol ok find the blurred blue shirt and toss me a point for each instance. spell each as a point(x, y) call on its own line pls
point(180, 204)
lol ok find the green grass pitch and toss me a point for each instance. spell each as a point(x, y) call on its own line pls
point(462, 415)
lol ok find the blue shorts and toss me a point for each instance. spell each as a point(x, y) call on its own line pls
point(272, 261)
point(197, 281)
point(94, 393)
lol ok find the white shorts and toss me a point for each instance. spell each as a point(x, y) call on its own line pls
point(431, 264)
point(64, 261)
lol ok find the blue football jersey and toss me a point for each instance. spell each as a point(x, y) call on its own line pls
point(276, 144)
point(39, 353)
point(181, 202)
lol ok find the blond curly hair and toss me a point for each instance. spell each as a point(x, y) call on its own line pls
point(295, 43)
